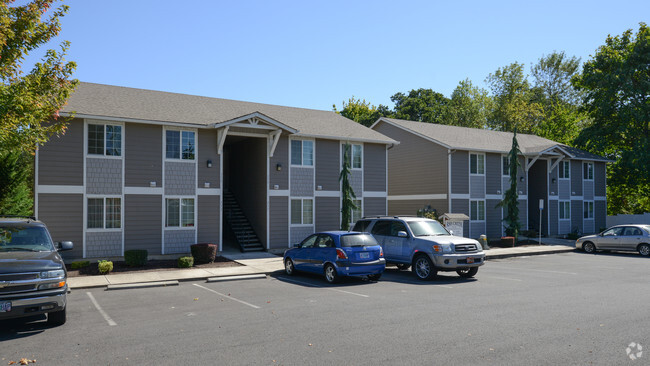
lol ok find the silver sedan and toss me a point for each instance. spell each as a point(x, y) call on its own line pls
point(634, 238)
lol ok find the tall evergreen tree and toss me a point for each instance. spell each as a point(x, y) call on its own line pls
point(511, 198)
point(347, 204)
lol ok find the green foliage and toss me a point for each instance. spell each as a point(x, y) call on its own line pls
point(104, 266)
point(511, 198)
point(29, 102)
point(16, 183)
point(469, 106)
point(348, 196)
point(423, 105)
point(204, 252)
point(185, 262)
point(79, 264)
point(616, 86)
point(428, 212)
point(361, 111)
point(136, 257)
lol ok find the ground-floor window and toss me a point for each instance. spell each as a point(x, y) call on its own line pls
point(179, 212)
point(477, 210)
point(356, 212)
point(589, 209)
point(565, 210)
point(104, 213)
point(302, 211)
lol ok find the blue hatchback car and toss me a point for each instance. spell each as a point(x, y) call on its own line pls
point(335, 254)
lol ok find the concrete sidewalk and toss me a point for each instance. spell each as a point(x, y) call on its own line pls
point(266, 263)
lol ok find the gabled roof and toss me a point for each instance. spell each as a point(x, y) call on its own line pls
point(150, 106)
point(476, 139)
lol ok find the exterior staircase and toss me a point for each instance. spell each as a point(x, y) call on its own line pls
point(239, 224)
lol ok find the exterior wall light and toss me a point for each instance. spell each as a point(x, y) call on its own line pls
point(278, 166)
point(553, 180)
point(521, 179)
point(209, 163)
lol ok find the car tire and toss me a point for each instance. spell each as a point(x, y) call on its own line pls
point(374, 277)
point(423, 268)
point(467, 272)
point(403, 267)
point(289, 268)
point(644, 250)
point(56, 317)
point(330, 274)
point(589, 247)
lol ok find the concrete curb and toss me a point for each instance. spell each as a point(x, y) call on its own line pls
point(235, 278)
point(525, 254)
point(127, 286)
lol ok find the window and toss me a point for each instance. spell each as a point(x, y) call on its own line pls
point(354, 157)
point(589, 171)
point(477, 210)
point(476, 164)
point(180, 145)
point(104, 213)
point(361, 225)
point(565, 210)
point(179, 212)
point(589, 209)
point(302, 212)
point(505, 165)
point(309, 242)
point(381, 227)
point(565, 170)
point(302, 152)
point(105, 140)
point(356, 212)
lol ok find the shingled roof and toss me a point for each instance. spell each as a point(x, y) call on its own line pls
point(149, 106)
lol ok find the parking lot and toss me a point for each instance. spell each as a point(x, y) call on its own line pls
point(569, 308)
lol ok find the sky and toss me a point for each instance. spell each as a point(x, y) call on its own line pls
point(313, 54)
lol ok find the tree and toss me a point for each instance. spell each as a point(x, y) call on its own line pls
point(348, 196)
point(469, 106)
point(616, 86)
point(422, 105)
point(15, 183)
point(361, 111)
point(30, 102)
point(511, 197)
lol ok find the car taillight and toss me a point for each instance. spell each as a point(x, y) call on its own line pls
point(341, 254)
point(381, 252)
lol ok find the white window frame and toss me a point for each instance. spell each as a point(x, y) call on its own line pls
point(478, 172)
point(180, 144)
point(478, 216)
point(352, 155)
point(588, 208)
point(302, 211)
point(302, 152)
point(590, 171)
point(561, 169)
point(506, 172)
point(180, 213)
point(559, 211)
point(103, 154)
point(104, 213)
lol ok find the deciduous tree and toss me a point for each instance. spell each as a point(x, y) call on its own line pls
point(423, 105)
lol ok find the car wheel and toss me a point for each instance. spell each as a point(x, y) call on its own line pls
point(56, 317)
point(288, 267)
point(467, 272)
point(402, 266)
point(589, 247)
point(423, 268)
point(330, 274)
point(374, 277)
point(644, 250)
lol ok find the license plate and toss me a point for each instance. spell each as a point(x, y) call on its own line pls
point(470, 260)
point(5, 306)
point(364, 255)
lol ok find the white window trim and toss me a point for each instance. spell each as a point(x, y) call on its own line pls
point(470, 210)
point(313, 211)
point(469, 157)
point(559, 203)
point(302, 157)
point(180, 213)
point(103, 229)
point(560, 168)
point(592, 172)
point(180, 159)
point(342, 144)
point(103, 123)
point(505, 173)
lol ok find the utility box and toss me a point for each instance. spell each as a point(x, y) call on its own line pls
point(454, 222)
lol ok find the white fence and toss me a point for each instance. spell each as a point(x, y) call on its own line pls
point(628, 219)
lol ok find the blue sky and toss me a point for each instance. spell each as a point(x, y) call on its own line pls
point(313, 54)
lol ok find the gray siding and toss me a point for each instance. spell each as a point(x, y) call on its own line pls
point(60, 160)
point(564, 185)
point(460, 172)
point(280, 156)
point(600, 179)
point(492, 173)
point(207, 147)
point(63, 215)
point(142, 155)
point(576, 215)
point(553, 213)
point(302, 182)
point(493, 219)
point(461, 206)
point(476, 229)
point(279, 222)
point(180, 178)
point(327, 213)
point(589, 227)
point(553, 188)
point(477, 186)
point(588, 190)
point(521, 172)
point(523, 214)
point(415, 166)
point(103, 244)
point(576, 178)
point(327, 165)
point(600, 215)
point(411, 207)
point(374, 206)
point(374, 167)
point(179, 241)
point(300, 233)
point(208, 219)
point(103, 176)
point(143, 222)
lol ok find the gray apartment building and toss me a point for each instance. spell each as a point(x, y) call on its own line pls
point(465, 170)
point(142, 169)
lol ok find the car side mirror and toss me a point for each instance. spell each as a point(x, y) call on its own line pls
point(296, 245)
point(451, 232)
point(65, 245)
point(402, 234)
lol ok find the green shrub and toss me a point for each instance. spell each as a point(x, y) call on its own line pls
point(136, 257)
point(204, 253)
point(572, 236)
point(79, 264)
point(105, 266)
point(185, 262)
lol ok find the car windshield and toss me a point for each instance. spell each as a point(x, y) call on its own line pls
point(427, 228)
point(357, 240)
point(25, 239)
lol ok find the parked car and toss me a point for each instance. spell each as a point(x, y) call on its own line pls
point(33, 278)
point(336, 254)
point(634, 238)
point(423, 244)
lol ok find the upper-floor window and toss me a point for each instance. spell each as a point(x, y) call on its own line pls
point(105, 140)
point(505, 165)
point(302, 152)
point(588, 171)
point(104, 213)
point(354, 155)
point(477, 164)
point(564, 170)
point(180, 145)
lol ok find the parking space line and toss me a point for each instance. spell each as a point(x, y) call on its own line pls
point(502, 278)
point(101, 311)
point(318, 286)
point(228, 297)
point(537, 270)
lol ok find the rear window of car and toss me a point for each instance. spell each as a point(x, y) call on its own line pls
point(361, 226)
point(357, 240)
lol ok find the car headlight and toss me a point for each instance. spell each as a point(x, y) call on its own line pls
point(443, 248)
point(59, 273)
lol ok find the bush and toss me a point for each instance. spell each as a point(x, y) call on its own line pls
point(572, 236)
point(79, 264)
point(204, 253)
point(136, 257)
point(508, 241)
point(104, 266)
point(185, 262)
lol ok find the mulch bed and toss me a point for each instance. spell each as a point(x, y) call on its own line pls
point(152, 265)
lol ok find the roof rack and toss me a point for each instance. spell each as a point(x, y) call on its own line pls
point(18, 217)
point(388, 216)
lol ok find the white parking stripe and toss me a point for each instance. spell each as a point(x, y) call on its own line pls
point(228, 297)
point(318, 286)
point(502, 278)
point(537, 270)
point(101, 311)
